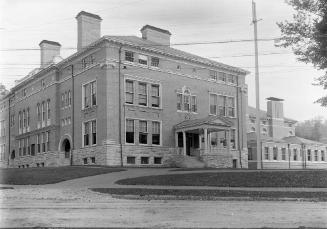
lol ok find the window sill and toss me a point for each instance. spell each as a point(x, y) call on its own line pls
point(140, 106)
point(88, 109)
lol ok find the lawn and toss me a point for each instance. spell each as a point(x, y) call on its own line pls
point(50, 175)
point(211, 194)
point(310, 178)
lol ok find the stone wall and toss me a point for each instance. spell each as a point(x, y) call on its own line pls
point(45, 159)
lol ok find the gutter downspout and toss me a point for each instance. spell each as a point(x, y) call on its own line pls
point(238, 120)
point(120, 108)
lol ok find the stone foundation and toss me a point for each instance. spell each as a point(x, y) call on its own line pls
point(46, 159)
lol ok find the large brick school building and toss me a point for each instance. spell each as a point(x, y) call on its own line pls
point(124, 101)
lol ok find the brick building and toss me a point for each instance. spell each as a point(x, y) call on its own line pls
point(126, 100)
point(280, 148)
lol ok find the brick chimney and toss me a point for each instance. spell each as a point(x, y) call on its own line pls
point(49, 50)
point(156, 35)
point(88, 29)
point(275, 108)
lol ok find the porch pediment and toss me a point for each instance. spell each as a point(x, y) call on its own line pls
point(207, 122)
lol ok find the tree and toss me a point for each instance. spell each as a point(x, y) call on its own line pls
point(306, 34)
point(314, 129)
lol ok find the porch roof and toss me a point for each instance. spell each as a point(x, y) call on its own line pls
point(213, 122)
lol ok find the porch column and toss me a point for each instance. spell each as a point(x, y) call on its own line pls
point(184, 143)
point(176, 139)
point(228, 140)
point(205, 140)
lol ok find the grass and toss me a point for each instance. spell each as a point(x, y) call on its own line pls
point(309, 179)
point(209, 194)
point(50, 175)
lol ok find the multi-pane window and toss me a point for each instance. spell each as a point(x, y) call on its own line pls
point(19, 148)
point(309, 155)
point(186, 102)
point(322, 155)
point(295, 154)
point(89, 91)
point(213, 104)
point(86, 134)
point(155, 99)
point(230, 107)
point(129, 56)
point(143, 59)
point(222, 76)
point(38, 143)
point(275, 153)
point(28, 118)
point(63, 100)
point(24, 119)
point(155, 61)
point(266, 153)
point(69, 98)
point(222, 105)
point(129, 94)
point(231, 78)
point(48, 109)
point(28, 146)
point(48, 140)
point(20, 121)
point(193, 104)
point(316, 155)
point(143, 132)
point(129, 131)
point(38, 111)
point(283, 154)
point(12, 120)
point(94, 132)
point(43, 142)
point(142, 93)
point(179, 101)
point(24, 147)
point(213, 75)
point(233, 139)
point(155, 133)
point(66, 98)
point(43, 111)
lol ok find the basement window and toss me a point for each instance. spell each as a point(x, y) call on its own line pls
point(144, 160)
point(158, 160)
point(93, 160)
point(85, 160)
point(131, 160)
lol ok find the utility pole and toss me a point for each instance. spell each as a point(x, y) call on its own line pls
point(258, 131)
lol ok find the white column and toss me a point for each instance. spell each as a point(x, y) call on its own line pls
point(200, 141)
point(228, 140)
point(176, 139)
point(184, 143)
point(205, 140)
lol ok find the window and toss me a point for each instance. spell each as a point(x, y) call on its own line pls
point(42, 83)
point(179, 67)
point(143, 59)
point(222, 105)
point(63, 100)
point(142, 93)
point(2, 128)
point(48, 140)
point(231, 78)
point(129, 131)
point(28, 117)
point(94, 132)
point(322, 155)
point(24, 119)
point(275, 153)
point(230, 107)
point(85, 160)
point(86, 133)
point(12, 120)
point(213, 104)
point(154, 61)
point(129, 94)
point(24, 146)
point(28, 146)
point(20, 122)
point(43, 142)
point(213, 75)
point(129, 56)
point(144, 160)
point(19, 148)
point(33, 149)
point(155, 133)
point(309, 155)
point(295, 154)
point(283, 154)
point(143, 132)
point(43, 111)
point(179, 101)
point(24, 92)
point(266, 153)
point(316, 155)
point(193, 104)
point(66, 99)
point(69, 98)
point(155, 99)
point(157, 160)
point(48, 109)
point(222, 76)
point(250, 156)
point(89, 91)
point(186, 102)
point(131, 160)
point(38, 140)
point(93, 160)
point(232, 139)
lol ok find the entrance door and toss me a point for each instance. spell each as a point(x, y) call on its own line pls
point(189, 140)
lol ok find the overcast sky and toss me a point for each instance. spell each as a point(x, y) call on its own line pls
point(23, 24)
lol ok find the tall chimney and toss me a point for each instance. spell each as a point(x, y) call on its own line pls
point(275, 108)
point(88, 29)
point(156, 35)
point(49, 50)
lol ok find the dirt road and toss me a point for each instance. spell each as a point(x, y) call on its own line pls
point(31, 207)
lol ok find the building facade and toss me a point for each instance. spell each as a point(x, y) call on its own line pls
point(280, 148)
point(126, 101)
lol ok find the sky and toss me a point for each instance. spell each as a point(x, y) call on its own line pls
point(23, 24)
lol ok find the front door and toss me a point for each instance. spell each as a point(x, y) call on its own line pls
point(189, 139)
